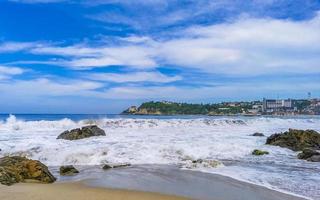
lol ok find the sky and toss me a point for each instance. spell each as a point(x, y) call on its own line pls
point(101, 56)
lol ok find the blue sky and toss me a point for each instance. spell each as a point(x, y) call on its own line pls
point(101, 56)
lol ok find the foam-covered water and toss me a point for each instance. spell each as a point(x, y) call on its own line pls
point(172, 141)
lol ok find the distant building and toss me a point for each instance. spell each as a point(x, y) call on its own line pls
point(277, 105)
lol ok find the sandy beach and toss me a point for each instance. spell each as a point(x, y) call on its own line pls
point(73, 191)
point(142, 183)
point(171, 180)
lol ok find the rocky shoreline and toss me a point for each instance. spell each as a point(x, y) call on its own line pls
point(307, 141)
point(17, 169)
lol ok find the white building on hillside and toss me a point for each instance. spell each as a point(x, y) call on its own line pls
point(274, 105)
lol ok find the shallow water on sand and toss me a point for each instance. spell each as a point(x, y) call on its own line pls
point(169, 179)
point(169, 140)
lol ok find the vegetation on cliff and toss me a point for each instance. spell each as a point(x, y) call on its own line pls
point(171, 108)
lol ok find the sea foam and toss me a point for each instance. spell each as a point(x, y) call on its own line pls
point(172, 141)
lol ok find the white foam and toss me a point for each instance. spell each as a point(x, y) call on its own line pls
point(168, 141)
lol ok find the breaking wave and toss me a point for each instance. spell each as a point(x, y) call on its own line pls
point(172, 141)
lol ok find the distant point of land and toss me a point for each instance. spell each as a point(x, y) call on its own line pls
point(264, 107)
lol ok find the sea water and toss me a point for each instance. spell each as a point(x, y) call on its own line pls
point(169, 140)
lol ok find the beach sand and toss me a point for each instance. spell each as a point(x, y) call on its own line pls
point(141, 182)
point(73, 191)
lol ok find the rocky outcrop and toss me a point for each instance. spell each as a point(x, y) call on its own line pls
point(20, 169)
point(84, 132)
point(310, 155)
point(258, 152)
point(68, 170)
point(258, 134)
point(296, 140)
point(133, 110)
point(112, 166)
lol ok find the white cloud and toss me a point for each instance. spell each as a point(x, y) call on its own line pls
point(37, 1)
point(43, 88)
point(229, 91)
point(245, 47)
point(134, 77)
point(10, 70)
point(16, 46)
point(248, 46)
point(73, 51)
point(46, 87)
point(138, 39)
point(89, 57)
point(132, 56)
point(129, 2)
point(6, 72)
point(150, 15)
point(159, 93)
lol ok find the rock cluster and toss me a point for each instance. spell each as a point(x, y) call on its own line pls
point(307, 141)
point(310, 155)
point(20, 169)
point(258, 152)
point(84, 132)
point(68, 170)
point(258, 134)
point(111, 166)
point(296, 140)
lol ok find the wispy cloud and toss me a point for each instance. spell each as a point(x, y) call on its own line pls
point(48, 87)
point(16, 46)
point(6, 72)
point(211, 93)
point(245, 47)
point(153, 15)
point(83, 57)
point(37, 1)
point(248, 46)
point(155, 77)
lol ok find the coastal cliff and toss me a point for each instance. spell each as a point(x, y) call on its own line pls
point(172, 108)
point(265, 107)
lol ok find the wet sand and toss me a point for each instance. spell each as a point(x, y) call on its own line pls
point(171, 180)
point(73, 191)
point(152, 182)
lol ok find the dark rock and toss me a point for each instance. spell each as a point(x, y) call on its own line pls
point(296, 140)
point(258, 134)
point(197, 161)
point(105, 167)
point(315, 158)
point(20, 169)
point(68, 170)
point(258, 152)
point(84, 132)
point(112, 166)
point(310, 155)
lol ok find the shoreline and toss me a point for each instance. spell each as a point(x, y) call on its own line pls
point(170, 180)
point(260, 185)
point(144, 182)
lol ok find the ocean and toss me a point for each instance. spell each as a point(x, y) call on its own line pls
point(170, 140)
